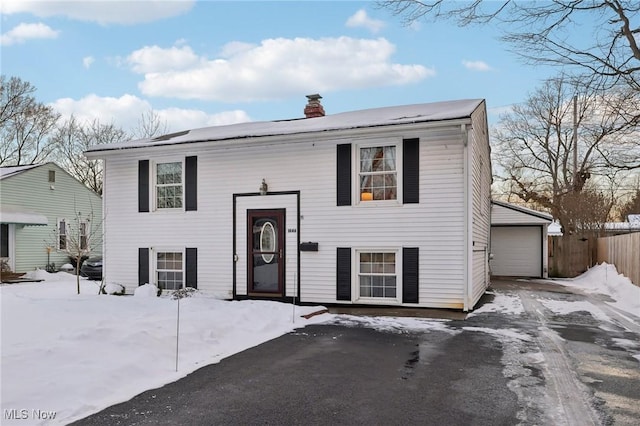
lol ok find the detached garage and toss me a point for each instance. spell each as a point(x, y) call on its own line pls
point(518, 241)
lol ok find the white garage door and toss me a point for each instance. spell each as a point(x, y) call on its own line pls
point(517, 251)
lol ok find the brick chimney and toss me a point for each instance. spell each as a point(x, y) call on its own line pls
point(314, 107)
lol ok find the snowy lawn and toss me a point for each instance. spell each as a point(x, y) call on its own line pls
point(69, 355)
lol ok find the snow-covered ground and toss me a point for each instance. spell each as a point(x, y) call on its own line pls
point(65, 356)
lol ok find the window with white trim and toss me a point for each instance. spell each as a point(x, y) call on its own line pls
point(170, 270)
point(63, 233)
point(377, 274)
point(169, 185)
point(378, 172)
point(84, 238)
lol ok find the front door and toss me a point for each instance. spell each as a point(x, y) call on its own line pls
point(265, 252)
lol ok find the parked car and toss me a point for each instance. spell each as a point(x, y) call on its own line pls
point(92, 268)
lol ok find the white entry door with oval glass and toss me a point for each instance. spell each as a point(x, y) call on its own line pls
point(265, 252)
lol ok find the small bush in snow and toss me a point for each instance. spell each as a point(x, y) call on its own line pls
point(147, 290)
point(183, 292)
point(114, 289)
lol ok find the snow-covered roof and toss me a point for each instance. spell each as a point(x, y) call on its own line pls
point(554, 229)
point(12, 214)
point(14, 170)
point(386, 116)
point(622, 226)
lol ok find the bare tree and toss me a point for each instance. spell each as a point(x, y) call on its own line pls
point(539, 31)
point(73, 138)
point(632, 206)
point(541, 162)
point(82, 236)
point(150, 125)
point(25, 124)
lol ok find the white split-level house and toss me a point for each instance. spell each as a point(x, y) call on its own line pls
point(385, 206)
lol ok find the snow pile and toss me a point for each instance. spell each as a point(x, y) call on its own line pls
point(41, 274)
point(605, 279)
point(76, 354)
point(112, 288)
point(146, 290)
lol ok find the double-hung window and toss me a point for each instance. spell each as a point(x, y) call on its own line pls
point(169, 187)
point(62, 234)
point(378, 173)
point(377, 274)
point(169, 270)
point(84, 237)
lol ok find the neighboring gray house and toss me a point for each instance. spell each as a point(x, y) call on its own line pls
point(337, 209)
point(37, 203)
point(518, 241)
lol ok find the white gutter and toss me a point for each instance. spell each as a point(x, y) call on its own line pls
point(468, 215)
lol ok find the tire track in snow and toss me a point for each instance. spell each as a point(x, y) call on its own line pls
point(564, 387)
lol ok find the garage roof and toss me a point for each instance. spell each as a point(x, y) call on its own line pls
point(509, 214)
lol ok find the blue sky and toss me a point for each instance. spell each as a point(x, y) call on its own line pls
point(205, 63)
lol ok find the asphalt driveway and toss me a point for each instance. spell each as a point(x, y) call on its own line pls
point(497, 367)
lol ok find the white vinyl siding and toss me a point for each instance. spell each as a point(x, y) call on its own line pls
point(481, 206)
point(517, 251)
point(435, 225)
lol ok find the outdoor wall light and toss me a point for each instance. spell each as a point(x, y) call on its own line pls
point(264, 187)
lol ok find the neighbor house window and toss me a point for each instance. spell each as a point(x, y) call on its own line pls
point(84, 227)
point(4, 237)
point(63, 233)
point(52, 176)
point(169, 185)
point(377, 276)
point(169, 270)
point(378, 173)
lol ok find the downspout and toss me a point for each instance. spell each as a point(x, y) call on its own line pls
point(468, 220)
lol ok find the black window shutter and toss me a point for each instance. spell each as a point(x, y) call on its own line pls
point(191, 183)
point(4, 236)
point(343, 274)
point(191, 273)
point(411, 171)
point(410, 275)
point(143, 185)
point(343, 181)
point(143, 266)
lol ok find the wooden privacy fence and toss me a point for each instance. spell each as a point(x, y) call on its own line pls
point(624, 252)
point(571, 255)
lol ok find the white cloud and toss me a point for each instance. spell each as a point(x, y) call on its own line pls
point(275, 69)
point(476, 65)
point(155, 59)
point(103, 11)
point(87, 61)
point(24, 32)
point(361, 19)
point(126, 111)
